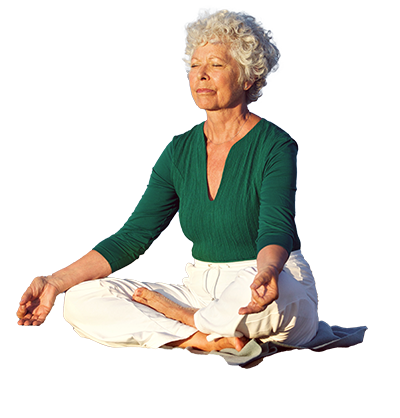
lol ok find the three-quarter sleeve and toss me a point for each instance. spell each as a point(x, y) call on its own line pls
point(277, 198)
point(152, 215)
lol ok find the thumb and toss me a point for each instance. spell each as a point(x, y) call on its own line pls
point(243, 311)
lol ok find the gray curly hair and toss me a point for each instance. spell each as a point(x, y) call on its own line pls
point(251, 45)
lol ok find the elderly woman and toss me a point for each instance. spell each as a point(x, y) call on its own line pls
point(233, 180)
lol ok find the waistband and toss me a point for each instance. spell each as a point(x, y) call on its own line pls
point(233, 265)
point(237, 264)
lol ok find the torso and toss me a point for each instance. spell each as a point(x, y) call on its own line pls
point(241, 179)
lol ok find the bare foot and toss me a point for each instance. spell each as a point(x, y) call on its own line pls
point(153, 299)
point(232, 342)
point(164, 305)
point(199, 340)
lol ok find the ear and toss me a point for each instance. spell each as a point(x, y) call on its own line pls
point(247, 85)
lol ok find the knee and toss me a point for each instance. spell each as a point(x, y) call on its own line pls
point(291, 319)
point(302, 324)
point(290, 290)
point(77, 303)
point(71, 309)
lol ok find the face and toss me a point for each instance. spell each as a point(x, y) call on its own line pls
point(213, 78)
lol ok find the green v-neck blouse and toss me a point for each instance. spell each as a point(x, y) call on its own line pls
point(254, 206)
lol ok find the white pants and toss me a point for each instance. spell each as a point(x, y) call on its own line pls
point(103, 310)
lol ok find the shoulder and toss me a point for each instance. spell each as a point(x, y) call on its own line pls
point(187, 139)
point(181, 142)
point(274, 137)
point(275, 148)
point(185, 145)
point(182, 151)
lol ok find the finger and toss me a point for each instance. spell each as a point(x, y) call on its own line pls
point(37, 322)
point(264, 300)
point(26, 320)
point(257, 304)
point(250, 309)
point(244, 311)
point(21, 312)
point(258, 282)
point(258, 296)
point(20, 322)
point(27, 296)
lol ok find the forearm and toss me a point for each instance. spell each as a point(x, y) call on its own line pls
point(90, 267)
point(272, 256)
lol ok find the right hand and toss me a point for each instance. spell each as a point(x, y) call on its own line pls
point(37, 301)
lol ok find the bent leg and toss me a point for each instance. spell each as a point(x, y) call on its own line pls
point(103, 310)
point(292, 318)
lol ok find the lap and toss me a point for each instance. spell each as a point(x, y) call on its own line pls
point(123, 289)
point(291, 318)
point(218, 291)
point(103, 310)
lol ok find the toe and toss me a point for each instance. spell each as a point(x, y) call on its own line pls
point(140, 292)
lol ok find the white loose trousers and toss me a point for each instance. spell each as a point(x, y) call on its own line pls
point(103, 310)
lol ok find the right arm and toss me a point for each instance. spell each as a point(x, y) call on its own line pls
point(152, 215)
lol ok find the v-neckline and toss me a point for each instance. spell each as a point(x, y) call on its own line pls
point(205, 161)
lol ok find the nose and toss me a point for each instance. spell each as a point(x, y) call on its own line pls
point(202, 73)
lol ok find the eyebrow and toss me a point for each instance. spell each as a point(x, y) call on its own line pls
point(211, 57)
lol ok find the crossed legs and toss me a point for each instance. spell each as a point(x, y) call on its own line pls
point(102, 310)
point(185, 315)
point(121, 313)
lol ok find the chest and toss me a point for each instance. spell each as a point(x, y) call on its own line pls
point(219, 197)
point(216, 160)
point(217, 176)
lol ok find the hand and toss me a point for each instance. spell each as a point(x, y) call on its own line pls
point(37, 301)
point(264, 290)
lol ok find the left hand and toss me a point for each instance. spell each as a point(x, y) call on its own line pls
point(264, 290)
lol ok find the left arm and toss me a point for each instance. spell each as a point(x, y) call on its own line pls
point(277, 234)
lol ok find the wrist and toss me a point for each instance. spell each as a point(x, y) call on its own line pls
point(59, 283)
point(271, 269)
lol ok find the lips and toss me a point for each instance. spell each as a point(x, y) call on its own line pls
point(204, 91)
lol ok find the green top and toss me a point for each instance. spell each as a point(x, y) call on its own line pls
point(254, 206)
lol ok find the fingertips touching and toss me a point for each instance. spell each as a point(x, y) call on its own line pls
point(257, 296)
point(256, 284)
point(21, 312)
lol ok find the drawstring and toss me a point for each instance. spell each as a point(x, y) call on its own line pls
point(213, 268)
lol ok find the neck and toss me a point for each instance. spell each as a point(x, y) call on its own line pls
point(226, 125)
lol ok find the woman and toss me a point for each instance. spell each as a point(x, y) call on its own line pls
point(233, 179)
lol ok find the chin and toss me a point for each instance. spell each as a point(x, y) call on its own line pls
point(207, 106)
